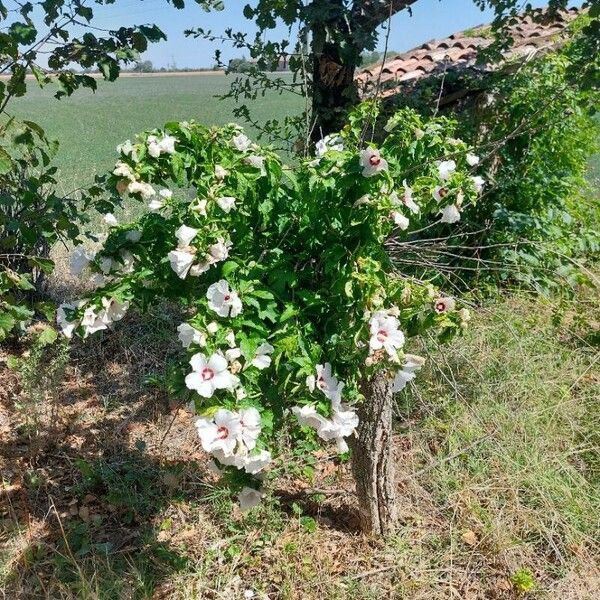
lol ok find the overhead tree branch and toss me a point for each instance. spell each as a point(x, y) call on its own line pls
point(372, 13)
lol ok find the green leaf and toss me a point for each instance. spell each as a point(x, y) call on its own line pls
point(264, 294)
point(7, 322)
point(44, 264)
point(228, 268)
point(23, 33)
point(47, 336)
point(6, 162)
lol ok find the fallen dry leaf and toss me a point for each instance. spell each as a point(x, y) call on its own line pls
point(470, 538)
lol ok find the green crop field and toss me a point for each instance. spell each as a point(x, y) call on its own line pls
point(90, 125)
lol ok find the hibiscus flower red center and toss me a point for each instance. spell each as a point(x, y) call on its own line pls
point(440, 307)
point(382, 335)
point(227, 297)
point(207, 374)
point(222, 433)
point(443, 192)
point(374, 160)
point(321, 383)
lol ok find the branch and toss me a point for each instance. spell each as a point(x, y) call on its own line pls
point(370, 14)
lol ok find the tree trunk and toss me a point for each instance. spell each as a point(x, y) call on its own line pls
point(373, 459)
point(334, 90)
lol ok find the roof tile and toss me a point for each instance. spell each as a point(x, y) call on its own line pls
point(530, 35)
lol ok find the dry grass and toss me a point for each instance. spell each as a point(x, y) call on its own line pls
point(498, 467)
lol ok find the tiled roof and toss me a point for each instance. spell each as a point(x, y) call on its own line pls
point(533, 33)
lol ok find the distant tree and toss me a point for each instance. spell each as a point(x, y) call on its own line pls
point(143, 66)
point(239, 65)
point(370, 58)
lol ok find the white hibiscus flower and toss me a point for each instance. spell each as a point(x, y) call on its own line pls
point(200, 206)
point(241, 142)
point(412, 364)
point(440, 192)
point(446, 168)
point(199, 268)
point(113, 310)
point(185, 235)
point(139, 187)
point(400, 220)
point(225, 302)
point(226, 203)
point(250, 421)
point(106, 264)
point(478, 182)
point(308, 416)
point(125, 148)
point(219, 251)
point(134, 236)
point(327, 383)
point(220, 172)
point(153, 146)
point(80, 260)
point(67, 326)
point(329, 142)
point(385, 333)
point(450, 214)
point(210, 374)
point(167, 144)
point(262, 360)
point(97, 279)
point(372, 162)
point(156, 204)
point(444, 305)
point(232, 354)
point(110, 220)
point(258, 162)
point(181, 262)
point(407, 198)
point(189, 335)
point(123, 170)
point(342, 424)
point(472, 160)
point(156, 147)
point(256, 462)
point(93, 321)
point(219, 433)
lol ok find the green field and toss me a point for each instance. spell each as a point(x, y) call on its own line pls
point(90, 125)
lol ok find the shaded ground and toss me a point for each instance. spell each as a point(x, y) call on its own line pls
point(105, 491)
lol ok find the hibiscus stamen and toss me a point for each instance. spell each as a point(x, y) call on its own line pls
point(374, 160)
point(207, 374)
point(382, 335)
point(222, 433)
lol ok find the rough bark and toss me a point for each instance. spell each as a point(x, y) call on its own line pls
point(334, 91)
point(373, 459)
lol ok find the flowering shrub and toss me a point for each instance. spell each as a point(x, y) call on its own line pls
point(33, 216)
point(291, 297)
point(541, 218)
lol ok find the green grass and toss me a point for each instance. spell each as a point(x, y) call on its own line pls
point(499, 468)
point(89, 125)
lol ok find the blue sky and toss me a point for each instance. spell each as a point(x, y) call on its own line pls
point(430, 19)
